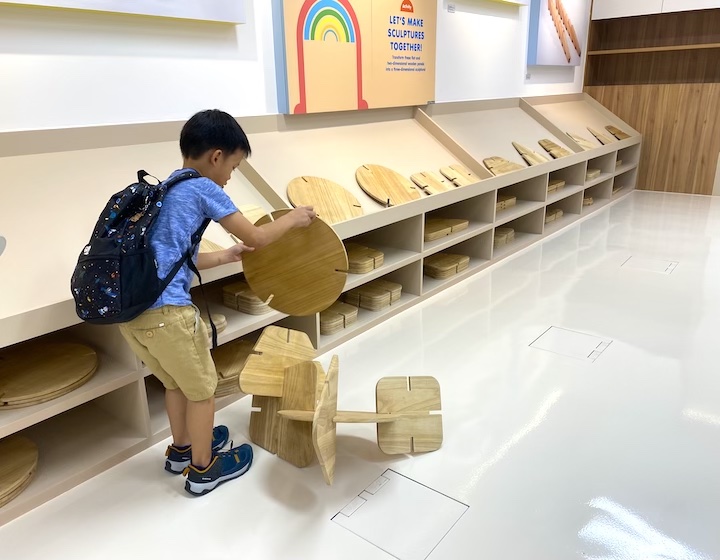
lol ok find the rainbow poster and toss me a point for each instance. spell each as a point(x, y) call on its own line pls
point(357, 54)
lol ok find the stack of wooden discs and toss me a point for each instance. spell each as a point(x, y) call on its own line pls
point(337, 317)
point(361, 259)
point(618, 163)
point(503, 236)
point(240, 297)
point(505, 201)
point(592, 174)
point(437, 228)
point(36, 372)
point(553, 214)
point(375, 295)
point(587, 201)
point(17, 466)
point(219, 320)
point(555, 185)
point(229, 361)
point(445, 265)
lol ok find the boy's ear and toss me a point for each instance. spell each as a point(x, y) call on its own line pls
point(216, 156)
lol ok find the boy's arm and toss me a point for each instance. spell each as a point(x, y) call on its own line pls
point(257, 237)
point(217, 258)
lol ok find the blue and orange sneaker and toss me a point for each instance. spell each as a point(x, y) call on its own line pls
point(178, 458)
point(224, 466)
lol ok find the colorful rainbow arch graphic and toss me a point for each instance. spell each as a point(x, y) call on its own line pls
point(327, 20)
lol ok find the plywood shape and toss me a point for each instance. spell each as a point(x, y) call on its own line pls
point(337, 317)
point(555, 184)
point(331, 202)
point(303, 272)
point(436, 228)
point(239, 296)
point(459, 175)
point(604, 140)
point(555, 150)
point(295, 441)
point(264, 422)
point(324, 427)
point(617, 133)
point(445, 265)
point(404, 518)
point(220, 322)
point(35, 372)
point(592, 174)
point(500, 166)
point(264, 374)
point(385, 186)
point(530, 156)
point(362, 259)
point(409, 394)
point(285, 342)
point(252, 212)
point(230, 359)
point(582, 142)
point(432, 183)
point(505, 201)
point(18, 462)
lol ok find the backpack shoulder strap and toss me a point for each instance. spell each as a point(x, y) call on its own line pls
point(184, 176)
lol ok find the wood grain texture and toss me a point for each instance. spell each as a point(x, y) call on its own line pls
point(264, 422)
point(18, 462)
point(530, 156)
point(303, 272)
point(285, 342)
point(445, 265)
point(413, 394)
point(35, 372)
point(500, 166)
point(324, 428)
point(295, 441)
point(332, 202)
point(554, 149)
point(385, 186)
point(436, 228)
point(431, 182)
point(582, 142)
point(617, 133)
point(680, 128)
point(459, 175)
point(362, 259)
point(603, 139)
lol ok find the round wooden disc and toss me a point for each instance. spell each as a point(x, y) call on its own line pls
point(19, 461)
point(36, 372)
point(386, 186)
point(304, 271)
point(331, 202)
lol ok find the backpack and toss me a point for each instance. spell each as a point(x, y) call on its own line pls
point(116, 276)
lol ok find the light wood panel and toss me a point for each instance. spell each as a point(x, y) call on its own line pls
point(681, 132)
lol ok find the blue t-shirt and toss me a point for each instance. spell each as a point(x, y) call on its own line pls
point(185, 207)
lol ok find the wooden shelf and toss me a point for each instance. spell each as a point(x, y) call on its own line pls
point(669, 48)
point(432, 286)
point(393, 259)
point(565, 192)
point(599, 179)
point(521, 208)
point(473, 230)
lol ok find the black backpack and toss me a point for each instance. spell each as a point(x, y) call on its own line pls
point(116, 276)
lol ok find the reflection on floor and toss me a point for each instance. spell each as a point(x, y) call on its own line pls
point(558, 458)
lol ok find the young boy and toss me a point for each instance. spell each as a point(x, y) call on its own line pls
point(170, 337)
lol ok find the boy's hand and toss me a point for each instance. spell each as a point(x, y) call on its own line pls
point(303, 216)
point(234, 253)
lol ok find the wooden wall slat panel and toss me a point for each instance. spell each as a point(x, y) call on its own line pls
point(681, 132)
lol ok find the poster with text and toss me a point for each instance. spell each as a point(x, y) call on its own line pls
point(359, 54)
point(558, 32)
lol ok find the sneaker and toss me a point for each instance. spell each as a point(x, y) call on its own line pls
point(224, 466)
point(178, 458)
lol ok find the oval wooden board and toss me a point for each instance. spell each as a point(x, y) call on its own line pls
point(36, 372)
point(304, 271)
point(331, 202)
point(19, 461)
point(385, 186)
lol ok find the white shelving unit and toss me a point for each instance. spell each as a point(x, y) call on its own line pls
point(120, 411)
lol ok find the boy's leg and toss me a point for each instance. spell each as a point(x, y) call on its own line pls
point(200, 418)
point(176, 405)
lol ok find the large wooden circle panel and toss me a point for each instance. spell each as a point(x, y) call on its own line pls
point(37, 372)
point(386, 186)
point(331, 201)
point(17, 467)
point(304, 271)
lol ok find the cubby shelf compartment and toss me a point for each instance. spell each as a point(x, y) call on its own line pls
point(478, 211)
point(478, 248)
point(81, 443)
point(571, 207)
point(528, 230)
point(574, 177)
point(624, 182)
point(601, 195)
point(410, 277)
point(530, 196)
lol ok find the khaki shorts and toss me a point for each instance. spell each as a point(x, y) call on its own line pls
point(173, 343)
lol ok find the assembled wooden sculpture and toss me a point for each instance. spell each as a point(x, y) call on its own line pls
point(295, 404)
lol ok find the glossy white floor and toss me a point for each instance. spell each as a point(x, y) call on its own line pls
point(557, 457)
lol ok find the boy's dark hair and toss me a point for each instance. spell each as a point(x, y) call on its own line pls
point(212, 130)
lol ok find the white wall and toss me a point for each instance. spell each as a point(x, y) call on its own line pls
point(482, 49)
point(68, 68)
point(65, 69)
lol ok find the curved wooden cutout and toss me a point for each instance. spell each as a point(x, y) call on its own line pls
point(385, 186)
point(331, 202)
point(17, 467)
